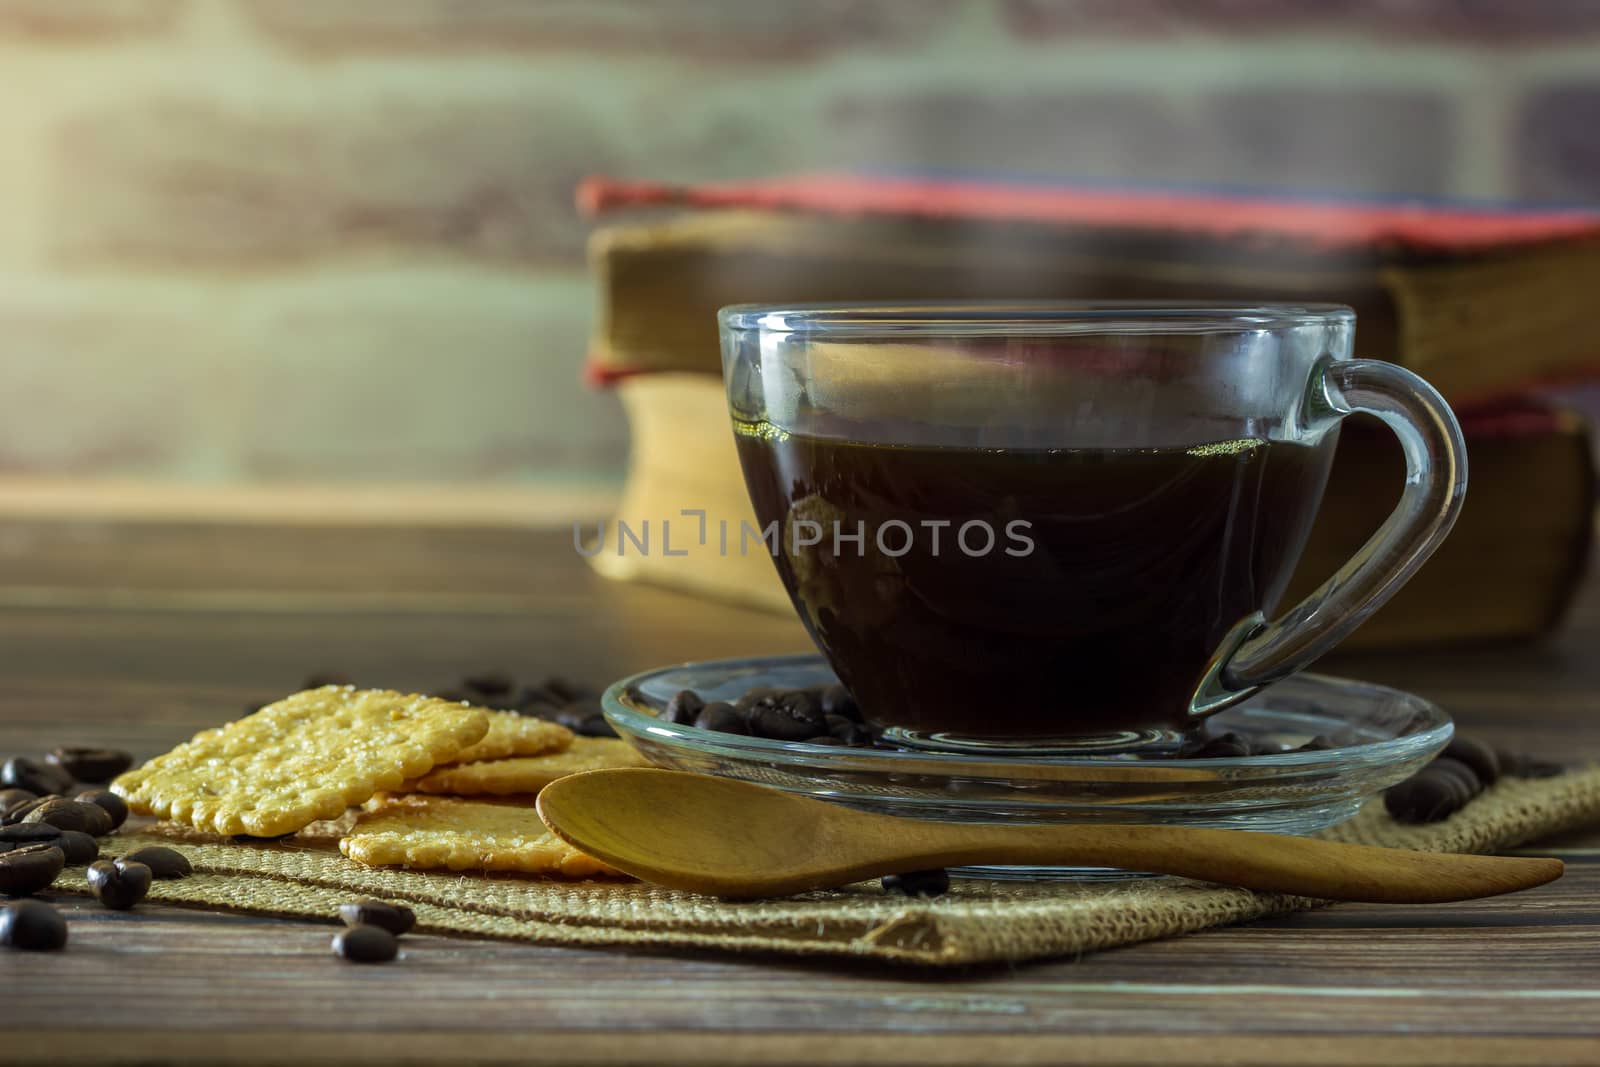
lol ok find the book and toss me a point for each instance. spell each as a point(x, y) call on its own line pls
point(1508, 570)
point(1482, 302)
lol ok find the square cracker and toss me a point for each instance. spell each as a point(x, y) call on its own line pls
point(307, 757)
point(514, 734)
point(462, 835)
point(508, 777)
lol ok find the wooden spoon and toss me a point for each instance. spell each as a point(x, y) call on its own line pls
point(734, 839)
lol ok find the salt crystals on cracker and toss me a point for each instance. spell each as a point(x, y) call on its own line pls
point(434, 833)
point(514, 734)
point(505, 777)
point(304, 758)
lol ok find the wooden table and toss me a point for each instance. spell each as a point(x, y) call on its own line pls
point(136, 634)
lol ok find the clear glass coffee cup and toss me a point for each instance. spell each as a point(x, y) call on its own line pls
point(1052, 528)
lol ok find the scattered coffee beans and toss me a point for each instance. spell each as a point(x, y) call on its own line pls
point(395, 918)
point(1465, 768)
point(722, 717)
point(792, 716)
point(33, 926)
point(107, 801)
point(366, 944)
point(11, 798)
point(79, 848)
point(90, 764)
point(18, 812)
point(119, 885)
point(26, 869)
point(72, 815)
point(918, 883)
point(683, 708)
point(19, 772)
point(165, 864)
point(574, 706)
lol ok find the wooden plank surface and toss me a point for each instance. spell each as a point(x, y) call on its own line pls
point(137, 634)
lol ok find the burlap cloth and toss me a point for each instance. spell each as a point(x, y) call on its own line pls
point(977, 922)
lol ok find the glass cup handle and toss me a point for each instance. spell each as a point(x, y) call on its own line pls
point(1436, 483)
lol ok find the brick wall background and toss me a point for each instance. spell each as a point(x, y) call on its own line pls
point(332, 239)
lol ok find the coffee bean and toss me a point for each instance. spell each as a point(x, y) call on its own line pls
point(72, 815)
point(1454, 768)
point(29, 833)
point(19, 772)
point(751, 697)
point(1320, 743)
point(366, 944)
point(18, 812)
point(78, 847)
point(11, 798)
point(836, 700)
point(91, 764)
point(252, 839)
point(108, 802)
point(1483, 760)
point(683, 708)
point(931, 883)
point(1426, 797)
point(32, 925)
point(491, 684)
point(826, 739)
point(321, 678)
point(26, 869)
point(118, 886)
point(395, 918)
point(722, 717)
point(585, 719)
point(164, 863)
point(851, 733)
point(791, 716)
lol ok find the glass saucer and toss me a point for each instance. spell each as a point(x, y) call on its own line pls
point(1381, 736)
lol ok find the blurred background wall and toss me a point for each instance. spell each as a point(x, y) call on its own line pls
point(332, 240)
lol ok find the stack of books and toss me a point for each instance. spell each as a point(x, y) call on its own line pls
point(1493, 306)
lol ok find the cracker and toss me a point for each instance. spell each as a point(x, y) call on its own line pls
point(514, 734)
point(462, 835)
point(304, 758)
point(507, 777)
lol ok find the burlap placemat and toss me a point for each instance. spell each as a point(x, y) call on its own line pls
point(977, 922)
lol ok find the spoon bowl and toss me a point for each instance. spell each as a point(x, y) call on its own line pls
point(733, 839)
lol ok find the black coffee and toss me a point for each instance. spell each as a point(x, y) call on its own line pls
point(1030, 594)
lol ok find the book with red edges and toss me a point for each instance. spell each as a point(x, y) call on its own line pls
point(1482, 300)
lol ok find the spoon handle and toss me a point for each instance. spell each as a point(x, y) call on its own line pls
point(1269, 862)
